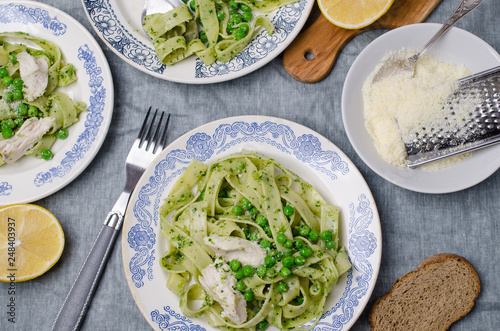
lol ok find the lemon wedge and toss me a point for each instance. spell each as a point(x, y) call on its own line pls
point(353, 14)
point(31, 242)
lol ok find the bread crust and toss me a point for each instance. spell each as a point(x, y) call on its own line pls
point(426, 265)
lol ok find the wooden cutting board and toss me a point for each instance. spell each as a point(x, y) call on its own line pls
point(323, 41)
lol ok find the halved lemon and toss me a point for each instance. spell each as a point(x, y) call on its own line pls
point(354, 14)
point(31, 242)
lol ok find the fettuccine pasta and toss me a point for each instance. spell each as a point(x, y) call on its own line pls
point(226, 28)
point(32, 114)
point(252, 243)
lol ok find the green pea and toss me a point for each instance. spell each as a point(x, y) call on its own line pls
point(245, 8)
point(267, 230)
point(240, 286)
point(327, 235)
point(271, 273)
point(288, 244)
point(253, 212)
point(236, 17)
point(8, 97)
point(262, 325)
point(281, 238)
point(192, 5)
point(282, 287)
point(238, 34)
point(330, 244)
point(7, 133)
point(9, 124)
point(300, 260)
point(261, 271)
point(241, 165)
point(288, 261)
point(237, 210)
point(19, 121)
point(261, 220)
point(253, 236)
point(22, 109)
point(299, 300)
point(47, 154)
point(265, 244)
point(33, 111)
point(229, 28)
point(233, 5)
point(246, 203)
point(246, 16)
point(244, 27)
point(239, 274)
point(235, 265)
point(4, 73)
point(248, 270)
point(279, 255)
point(288, 210)
point(220, 15)
point(203, 36)
point(313, 235)
point(304, 230)
point(298, 244)
point(18, 83)
point(202, 195)
point(232, 11)
point(269, 261)
point(285, 272)
point(306, 251)
point(248, 295)
point(6, 81)
point(288, 252)
point(13, 58)
point(17, 94)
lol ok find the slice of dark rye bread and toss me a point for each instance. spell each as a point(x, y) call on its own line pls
point(440, 292)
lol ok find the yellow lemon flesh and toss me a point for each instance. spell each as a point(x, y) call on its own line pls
point(353, 14)
point(31, 242)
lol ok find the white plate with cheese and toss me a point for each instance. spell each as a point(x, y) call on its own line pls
point(456, 46)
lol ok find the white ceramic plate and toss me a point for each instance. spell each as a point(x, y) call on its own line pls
point(298, 148)
point(31, 179)
point(118, 23)
point(457, 46)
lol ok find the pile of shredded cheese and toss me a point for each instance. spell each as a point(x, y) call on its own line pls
point(399, 106)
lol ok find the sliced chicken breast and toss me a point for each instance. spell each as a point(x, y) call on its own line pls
point(219, 283)
point(229, 248)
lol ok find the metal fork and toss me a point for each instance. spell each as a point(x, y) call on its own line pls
point(146, 148)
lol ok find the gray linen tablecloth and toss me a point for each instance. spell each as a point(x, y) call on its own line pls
point(414, 225)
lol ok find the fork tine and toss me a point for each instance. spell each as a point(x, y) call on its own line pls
point(154, 140)
point(149, 135)
point(141, 135)
point(164, 136)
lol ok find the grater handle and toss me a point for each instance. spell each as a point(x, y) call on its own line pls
point(480, 75)
point(465, 7)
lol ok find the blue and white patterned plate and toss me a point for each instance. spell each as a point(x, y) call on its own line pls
point(118, 23)
point(298, 148)
point(31, 179)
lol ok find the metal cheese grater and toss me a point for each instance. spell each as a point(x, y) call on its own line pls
point(480, 129)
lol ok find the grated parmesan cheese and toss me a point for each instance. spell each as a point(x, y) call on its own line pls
point(399, 106)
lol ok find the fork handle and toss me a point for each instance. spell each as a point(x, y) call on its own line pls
point(77, 302)
point(463, 8)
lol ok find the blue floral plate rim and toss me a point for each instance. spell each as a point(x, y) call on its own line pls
point(300, 149)
point(33, 179)
point(118, 25)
